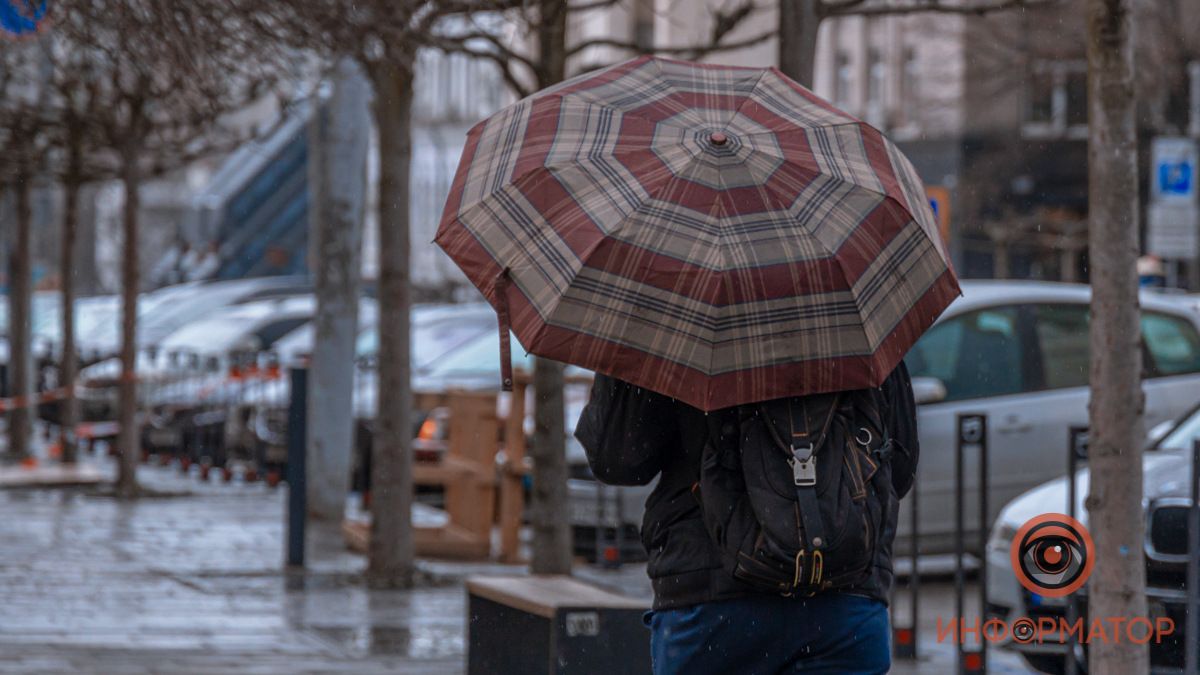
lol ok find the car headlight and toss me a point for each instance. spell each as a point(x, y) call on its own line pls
point(1002, 536)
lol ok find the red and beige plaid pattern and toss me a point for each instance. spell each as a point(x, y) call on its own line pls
point(717, 234)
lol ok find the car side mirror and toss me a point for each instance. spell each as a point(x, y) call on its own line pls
point(928, 390)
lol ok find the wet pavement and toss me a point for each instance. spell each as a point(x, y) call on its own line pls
point(190, 580)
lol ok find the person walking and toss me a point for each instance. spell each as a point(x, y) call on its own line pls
point(745, 265)
point(712, 615)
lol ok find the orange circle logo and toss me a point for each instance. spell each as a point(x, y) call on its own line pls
point(1052, 555)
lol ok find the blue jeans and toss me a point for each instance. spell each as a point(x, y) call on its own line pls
point(827, 633)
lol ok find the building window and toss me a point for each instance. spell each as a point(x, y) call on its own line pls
point(1040, 98)
point(843, 78)
point(1077, 103)
point(876, 76)
point(1056, 100)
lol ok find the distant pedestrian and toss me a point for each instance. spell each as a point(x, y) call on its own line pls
point(760, 562)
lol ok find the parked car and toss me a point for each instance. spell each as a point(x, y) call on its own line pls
point(437, 331)
point(206, 344)
point(1017, 351)
point(1166, 471)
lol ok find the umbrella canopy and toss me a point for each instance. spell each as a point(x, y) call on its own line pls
point(720, 235)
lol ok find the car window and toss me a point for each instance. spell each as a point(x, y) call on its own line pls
point(1172, 344)
point(1182, 437)
point(1064, 344)
point(975, 355)
point(268, 334)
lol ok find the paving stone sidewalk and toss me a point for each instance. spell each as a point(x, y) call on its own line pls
point(191, 581)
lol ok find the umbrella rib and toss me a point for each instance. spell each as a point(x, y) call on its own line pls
point(862, 324)
point(591, 250)
point(725, 271)
point(749, 95)
point(817, 171)
point(633, 112)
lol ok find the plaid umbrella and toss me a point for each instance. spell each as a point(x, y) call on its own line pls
point(720, 235)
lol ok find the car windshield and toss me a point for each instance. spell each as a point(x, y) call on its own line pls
point(436, 339)
point(436, 331)
point(1183, 435)
point(177, 306)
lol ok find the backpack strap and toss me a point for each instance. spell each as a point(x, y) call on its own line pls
point(801, 450)
point(804, 443)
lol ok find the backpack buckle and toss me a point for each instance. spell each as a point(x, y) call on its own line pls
point(804, 466)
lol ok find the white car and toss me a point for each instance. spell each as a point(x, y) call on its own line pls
point(1166, 470)
point(1017, 351)
point(209, 339)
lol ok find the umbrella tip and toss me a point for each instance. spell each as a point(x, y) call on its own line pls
point(719, 138)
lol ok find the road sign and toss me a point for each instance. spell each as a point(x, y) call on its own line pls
point(1172, 231)
point(939, 201)
point(1174, 170)
point(1173, 216)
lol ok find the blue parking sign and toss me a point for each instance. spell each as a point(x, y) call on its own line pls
point(1175, 178)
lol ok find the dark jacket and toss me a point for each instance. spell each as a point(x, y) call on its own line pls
point(632, 435)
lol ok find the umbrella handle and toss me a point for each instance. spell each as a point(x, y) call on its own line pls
point(506, 370)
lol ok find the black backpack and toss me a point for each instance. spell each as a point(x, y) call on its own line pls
point(794, 491)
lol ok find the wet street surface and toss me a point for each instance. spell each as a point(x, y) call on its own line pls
point(190, 580)
point(193, 583)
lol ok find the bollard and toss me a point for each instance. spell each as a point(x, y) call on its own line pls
point(972, 432)
point(1191, 658)
point(296, 471)
point(1077, 440)
point(904, 640)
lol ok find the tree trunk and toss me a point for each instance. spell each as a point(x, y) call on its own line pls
point(548, 507)
point(128, 440)
point(20, 359)
point(799, 23)
point(337, 247)
point(552, 42)
point(1117, 585)
point(390, 558)
point(69, 362)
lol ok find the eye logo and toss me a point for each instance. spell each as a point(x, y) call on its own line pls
point(1052, 555)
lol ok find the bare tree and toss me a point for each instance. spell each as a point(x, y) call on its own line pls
point(22, 141)
point(75, 95)
point(384, 37)
point(166, 75)
point(1114, 503)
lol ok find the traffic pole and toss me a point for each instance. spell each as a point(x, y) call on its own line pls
point(1191, 644)
point(972, 433)
point(296, 469)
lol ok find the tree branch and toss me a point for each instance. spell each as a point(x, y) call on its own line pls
point(593, 4)
point(681, 50)
point(935, 6)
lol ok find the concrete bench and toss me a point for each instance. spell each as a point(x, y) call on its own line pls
point(553, 624)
